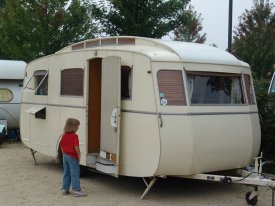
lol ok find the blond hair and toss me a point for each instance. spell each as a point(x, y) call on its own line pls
point(71, 125)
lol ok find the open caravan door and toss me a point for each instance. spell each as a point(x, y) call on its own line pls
point(108, 161)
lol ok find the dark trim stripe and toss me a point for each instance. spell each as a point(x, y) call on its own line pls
point(10, 103)
point(55, 105)
point(138, 112)
point(188, 113)
point(106, 164)
point(209, 113)
point(155, 113)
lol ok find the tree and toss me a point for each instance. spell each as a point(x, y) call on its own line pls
point(30, 29)
point(147, 18)
point(189, 28)
point(2, 2)
point(254, 42)
point(266, 107)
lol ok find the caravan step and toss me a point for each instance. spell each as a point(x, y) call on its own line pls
point(106, 166)
point(91, 159)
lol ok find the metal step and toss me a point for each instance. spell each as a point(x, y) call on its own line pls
point(106, 166)
point(91, 159)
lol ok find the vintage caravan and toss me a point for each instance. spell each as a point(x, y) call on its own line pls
point(11, 82)
point(147, 107)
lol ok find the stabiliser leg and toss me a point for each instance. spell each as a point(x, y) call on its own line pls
point(33, 156)
point(151, 184)
point(273, 196)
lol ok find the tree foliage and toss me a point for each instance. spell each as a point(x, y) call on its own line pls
point(190, 27)
point(30, 29)
point(147, 18)
point(2, 2)
point(254, 42)
point(266, 107)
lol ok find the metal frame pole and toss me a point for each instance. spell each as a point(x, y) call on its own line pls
point(230, 26)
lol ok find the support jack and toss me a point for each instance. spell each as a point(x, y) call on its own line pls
point(33, 156)
point(149, 186)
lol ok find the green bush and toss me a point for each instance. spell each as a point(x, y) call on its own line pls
point(266, 106)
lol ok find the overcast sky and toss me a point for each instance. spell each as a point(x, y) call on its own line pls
point(215, 18)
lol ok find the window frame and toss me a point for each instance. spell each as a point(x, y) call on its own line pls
point(183, 101)
point(12, 95)
point(41, 82)
point(130, 88)
point(82, 87)
point(250, 93)
point(36, 73)
point(216, 74)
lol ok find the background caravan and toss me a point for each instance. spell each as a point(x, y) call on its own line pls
point(11, 82)
point(147, 107)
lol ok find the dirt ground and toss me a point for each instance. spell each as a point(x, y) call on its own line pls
point(24, 184)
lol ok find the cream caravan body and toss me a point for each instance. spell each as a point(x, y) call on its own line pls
point(147, 107)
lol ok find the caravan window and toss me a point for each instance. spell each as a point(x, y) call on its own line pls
point(249, 89)
point(38, 82)
point(41, 82)
point(126, 82)
point(72, 82)
point(214, 88)
point(5, 95)
point(171, 88)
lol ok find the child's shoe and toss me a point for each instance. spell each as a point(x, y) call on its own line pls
point(65, 192)
point(79, 194)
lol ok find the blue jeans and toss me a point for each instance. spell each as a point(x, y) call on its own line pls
point(71, 173)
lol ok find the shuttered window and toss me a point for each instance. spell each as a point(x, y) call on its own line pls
point(171, 88)
point(72, 82)
point(249, 89)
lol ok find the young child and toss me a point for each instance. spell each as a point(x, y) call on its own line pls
point(71, 157)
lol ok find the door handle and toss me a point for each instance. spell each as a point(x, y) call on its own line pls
point(160, 120)
point(113, 118)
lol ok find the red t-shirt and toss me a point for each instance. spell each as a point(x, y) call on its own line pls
point(68, 142)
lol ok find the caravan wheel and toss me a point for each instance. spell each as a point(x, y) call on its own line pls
point(2, 137)
point(60, 156)
point(253, 201)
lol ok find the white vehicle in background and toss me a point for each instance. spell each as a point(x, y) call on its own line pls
point(271, 88)
point(147, 107)
point(11, 82)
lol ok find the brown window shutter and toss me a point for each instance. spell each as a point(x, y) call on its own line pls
point(72, 82)
point(248, 88)
point(171, 86)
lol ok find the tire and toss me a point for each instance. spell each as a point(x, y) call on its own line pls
point(60, 156)
point(253, 201)
point(2, 137)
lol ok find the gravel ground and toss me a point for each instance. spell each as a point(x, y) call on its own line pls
point(22, 183)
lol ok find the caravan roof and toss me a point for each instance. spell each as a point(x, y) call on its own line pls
point(161, 50)
point(10, 69)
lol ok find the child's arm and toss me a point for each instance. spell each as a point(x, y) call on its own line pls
point(78, 152)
